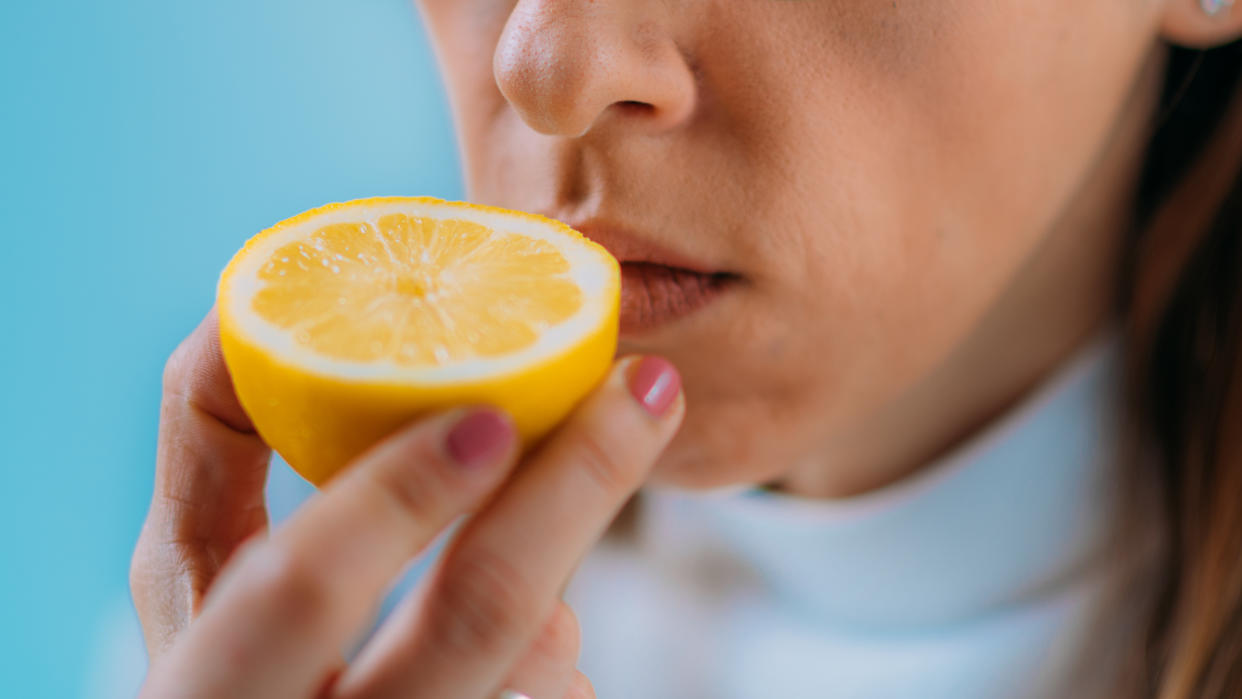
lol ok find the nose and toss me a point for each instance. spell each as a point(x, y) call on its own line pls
point(564, 65)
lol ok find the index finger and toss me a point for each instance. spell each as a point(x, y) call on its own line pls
point(275, 623)
point(503, 574)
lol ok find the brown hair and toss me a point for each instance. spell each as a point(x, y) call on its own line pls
point(1182, 304)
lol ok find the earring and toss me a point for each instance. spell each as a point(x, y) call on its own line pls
point(1216, 7)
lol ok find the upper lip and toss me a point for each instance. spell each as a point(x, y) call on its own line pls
point(627, 246)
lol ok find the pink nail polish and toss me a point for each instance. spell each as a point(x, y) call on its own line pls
point(480, 438)
point(655, 383)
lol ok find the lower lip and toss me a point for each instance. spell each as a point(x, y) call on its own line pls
point(654, 295)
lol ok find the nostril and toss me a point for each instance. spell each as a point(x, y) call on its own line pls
point(635, 107)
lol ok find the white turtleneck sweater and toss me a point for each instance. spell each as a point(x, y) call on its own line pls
point(992, 574)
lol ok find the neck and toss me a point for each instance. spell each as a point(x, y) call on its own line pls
point(1062, 296)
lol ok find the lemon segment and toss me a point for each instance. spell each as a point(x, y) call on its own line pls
point(344, 323)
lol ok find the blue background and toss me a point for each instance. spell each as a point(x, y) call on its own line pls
point(141, 142)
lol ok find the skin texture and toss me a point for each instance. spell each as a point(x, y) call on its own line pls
point(923, 199)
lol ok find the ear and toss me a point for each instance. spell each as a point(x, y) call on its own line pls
point(1201, 23)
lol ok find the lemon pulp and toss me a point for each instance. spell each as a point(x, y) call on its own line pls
point(343, 323)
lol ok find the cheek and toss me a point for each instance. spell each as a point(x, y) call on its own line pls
point(1002, 125)
point(903, 173)
point(464, 34)
point(934, 144)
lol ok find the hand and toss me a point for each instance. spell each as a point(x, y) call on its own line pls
point(228, 611)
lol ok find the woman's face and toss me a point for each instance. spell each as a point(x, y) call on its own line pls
point(816, 200)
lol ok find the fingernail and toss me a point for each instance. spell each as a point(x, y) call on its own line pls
point(480, 438)
point(655, 383)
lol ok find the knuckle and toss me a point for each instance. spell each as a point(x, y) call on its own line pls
point(580, 688)
point(284, 583)
point(139, 562)
point(145, 579)
point(139, 575)
point(153, 570)
point(166, 590)
point(482, 606)
point(561, 638)
point(605, 463)
point(411, 492)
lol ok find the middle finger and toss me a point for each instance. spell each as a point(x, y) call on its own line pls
point(502, 577)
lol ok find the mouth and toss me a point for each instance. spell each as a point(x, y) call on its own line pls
point(653, 295)
point(658, 286)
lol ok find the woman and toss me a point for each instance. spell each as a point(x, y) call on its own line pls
point(955, 283)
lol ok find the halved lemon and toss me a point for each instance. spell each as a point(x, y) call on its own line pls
point(342, 324)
